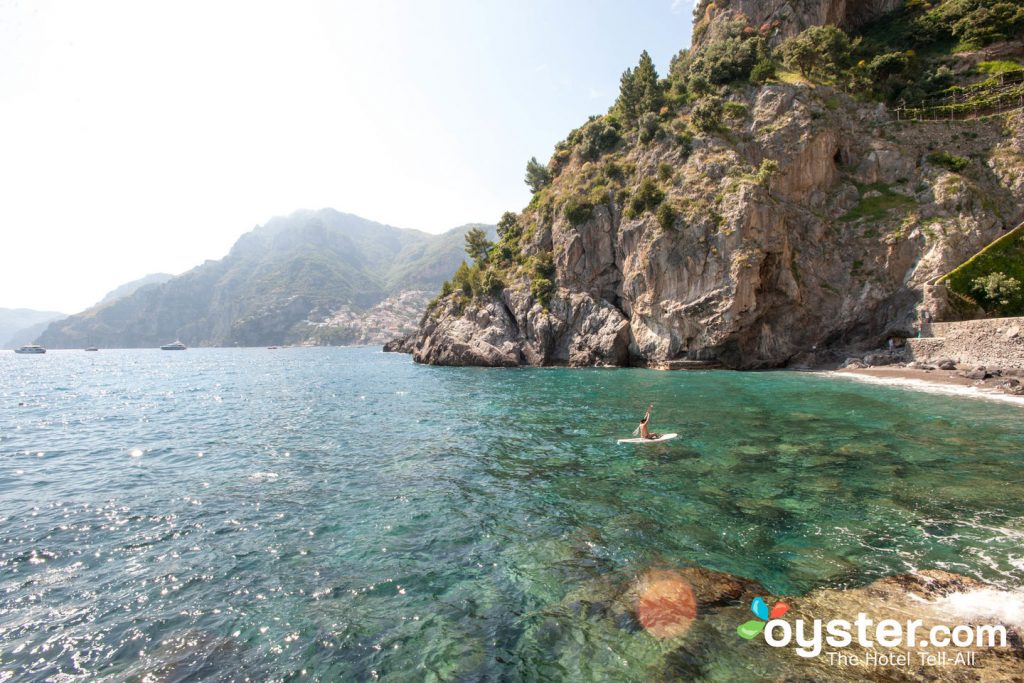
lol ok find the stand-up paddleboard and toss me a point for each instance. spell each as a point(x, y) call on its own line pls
point(663, 437)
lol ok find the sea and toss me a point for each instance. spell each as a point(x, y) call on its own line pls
point(345, 514)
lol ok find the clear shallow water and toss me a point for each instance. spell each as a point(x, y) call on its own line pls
point(343, 514)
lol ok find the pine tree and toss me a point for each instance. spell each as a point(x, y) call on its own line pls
point(645, 79)
point(477, 244)
point(639, 90)
point(537, 175)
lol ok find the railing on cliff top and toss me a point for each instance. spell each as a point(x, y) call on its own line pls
point(998, 94)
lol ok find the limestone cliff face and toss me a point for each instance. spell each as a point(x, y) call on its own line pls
point(785, 18)
point(757, 268)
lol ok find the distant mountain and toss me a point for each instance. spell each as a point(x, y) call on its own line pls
point(129, 288)
point(17, 323)
point(289, 281)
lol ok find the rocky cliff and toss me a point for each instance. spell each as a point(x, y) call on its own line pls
point(319, 277)
point(785, 18)
point(756, 225)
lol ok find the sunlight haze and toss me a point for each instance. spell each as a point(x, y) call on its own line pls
point(138, 137)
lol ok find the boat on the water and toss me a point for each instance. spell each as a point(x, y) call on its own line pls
point(91, 348)
point(173, 346)
point(30, 348)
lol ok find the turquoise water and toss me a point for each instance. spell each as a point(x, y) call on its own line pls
point(342, 514)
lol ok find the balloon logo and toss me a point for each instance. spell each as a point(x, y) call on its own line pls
point(751, 629)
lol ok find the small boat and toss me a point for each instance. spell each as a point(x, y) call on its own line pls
point(30, 348)
point(272, 347)
point(91, 348)
point(173, 346)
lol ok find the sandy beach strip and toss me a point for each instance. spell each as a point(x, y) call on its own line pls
point(931, 381)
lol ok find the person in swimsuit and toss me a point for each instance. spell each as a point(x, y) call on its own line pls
point(644, 433)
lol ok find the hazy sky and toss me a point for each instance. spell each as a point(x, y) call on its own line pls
point(144, 136)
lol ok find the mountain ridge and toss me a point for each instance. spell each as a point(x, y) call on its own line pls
point(277, 283)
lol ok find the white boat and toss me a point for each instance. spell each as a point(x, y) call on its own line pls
point(91, 348)
point(173, 346)
point(30, 348)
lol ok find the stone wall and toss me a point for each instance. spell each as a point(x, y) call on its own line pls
point(993, 343)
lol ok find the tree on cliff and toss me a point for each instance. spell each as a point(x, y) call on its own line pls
point(537, 175)
point(639, 90)
point(477, 244)
point(820, 49)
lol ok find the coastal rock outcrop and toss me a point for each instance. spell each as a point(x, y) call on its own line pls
point(749, 225)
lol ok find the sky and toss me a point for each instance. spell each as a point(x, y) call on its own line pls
point(140, 136)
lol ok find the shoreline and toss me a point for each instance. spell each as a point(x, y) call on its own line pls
point(941, 382)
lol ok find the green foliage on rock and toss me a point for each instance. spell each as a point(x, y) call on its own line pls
point(707, 114)
point(542, 275)
point(877, 200)
point(994, 275)
point(732, 57)
point(763, 71)
point(578, 212)
point(950, 162)
point(818, 50)
point(508, 225)
point(647, 197)
point(667, 216)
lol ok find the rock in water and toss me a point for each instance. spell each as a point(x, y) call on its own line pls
point(666, 605)
point(401, 344)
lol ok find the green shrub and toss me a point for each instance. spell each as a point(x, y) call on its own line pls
point(541, 289)
point(997, 67)
point(508, 225)
point(543, 264)
point(950, 162)
point(767, 169)
point(542, 274)
point(735, 110)
point(888, 75)
point(646, 198)
point(685, 142)
point(667, 216)
point(998, 292)
point(649, 126)
point(730, 57)
point(614, 171)
point(462, 280)
point(977, 23)
point(578, 212)
point(492, 283)
point(598, 136)
point(707, 114)
point(824, 50)
point(762, 72)
point(665, 172)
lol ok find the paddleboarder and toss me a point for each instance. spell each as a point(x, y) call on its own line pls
point(644, 433)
